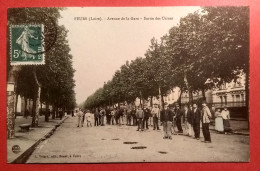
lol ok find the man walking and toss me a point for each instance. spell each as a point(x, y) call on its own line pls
point(128, 116)
point(206, 115)
point(134, 116)
point(83, 117)
point(113, 113)
point(102, 117)
point(80, 115)
point(179, 115)
point(155, 113)
point(108, 115)
point(196, 114)
point(139, 116)
point(96, 117)
point(172, 108)
point(147, 114)
point(166, 119)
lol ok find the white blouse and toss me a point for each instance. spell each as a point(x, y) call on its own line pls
point(225, 114)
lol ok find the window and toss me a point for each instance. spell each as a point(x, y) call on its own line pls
point(238, 98)
point(242, 97)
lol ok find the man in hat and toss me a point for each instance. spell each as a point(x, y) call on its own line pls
point(206, 115)
point(147, 113)
point(139, 116)
point(196, 115)
point(179, 115)
point(128, 115)
point(172, 108)
point(102, 116)
point(167, 119)
point(155, 113)
point(96, 117)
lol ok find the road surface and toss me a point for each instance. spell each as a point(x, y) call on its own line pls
point(112, 143)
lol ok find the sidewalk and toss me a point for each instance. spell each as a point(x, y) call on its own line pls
point(27, 141)
point(239, 126)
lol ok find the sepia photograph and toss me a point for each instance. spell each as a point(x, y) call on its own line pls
point(127, 84)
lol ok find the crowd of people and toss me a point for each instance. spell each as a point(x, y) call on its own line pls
point(173, 119)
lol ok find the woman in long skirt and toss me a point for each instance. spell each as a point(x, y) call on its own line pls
point(219, 122)
point(226, 117)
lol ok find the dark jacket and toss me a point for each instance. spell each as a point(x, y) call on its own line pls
point(147, 113)
point(189, 117)
point(133, 113)
point(196, 116)
point(166, 115)
point(120, 112)
point(96, 114)
point(179, 113)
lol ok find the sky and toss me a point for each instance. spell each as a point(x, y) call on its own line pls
point(100, 47)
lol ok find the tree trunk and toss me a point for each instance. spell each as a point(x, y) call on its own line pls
point(57, 112)
point(161, 98)
point(190, 96)
point(25, 106)
point(141, 99)
point(11, 84)
point(35, 119)
point(203, 94)
point(179, 100)
point(34, 111)
point(53, 112)
point(162, 101)
point(151, 101)
point(188, 88)
point(31, 106)
point(47, 112)
point(15, 106)
point(40, 108)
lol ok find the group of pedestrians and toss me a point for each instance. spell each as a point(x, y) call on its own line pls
point(187, 121)
point(126, 116)
point(145, 116)
point(115, 116)
point(191, 117)
point(83, 116)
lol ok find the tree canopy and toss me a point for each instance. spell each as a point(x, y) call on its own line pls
point(209, 44)
point(56, 76)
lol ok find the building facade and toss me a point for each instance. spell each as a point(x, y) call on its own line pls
point(231, 94)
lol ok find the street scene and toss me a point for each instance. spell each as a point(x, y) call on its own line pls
point(113, 143)
point(135, 84)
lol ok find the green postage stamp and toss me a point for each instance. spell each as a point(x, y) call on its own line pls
point(26, 44)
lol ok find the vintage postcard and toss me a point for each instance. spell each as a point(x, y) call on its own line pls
point(128, 84)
